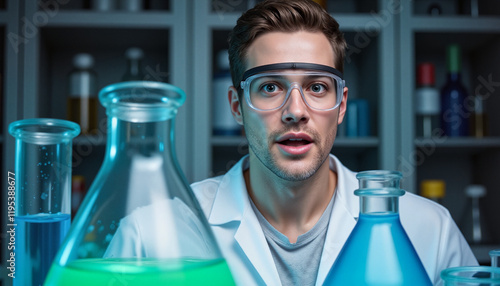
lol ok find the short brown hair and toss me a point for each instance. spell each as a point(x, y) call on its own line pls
point(282, 16)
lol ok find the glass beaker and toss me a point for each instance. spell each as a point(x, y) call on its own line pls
point(378, 250)
point(471, 276)
point(495, 258)
point(140, 223)
point(43, 193)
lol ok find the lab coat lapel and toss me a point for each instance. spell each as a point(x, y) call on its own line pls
point(252, 241)
point(342, 220)
point(233, 204)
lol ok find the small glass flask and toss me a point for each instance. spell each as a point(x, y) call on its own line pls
point(471, 276)
point(134, 71)
point(140, 223)
point(378, 250)
point(495, 257)
point(43, 193)
point(472, 222)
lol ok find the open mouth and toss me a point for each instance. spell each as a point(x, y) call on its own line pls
point(295, 142)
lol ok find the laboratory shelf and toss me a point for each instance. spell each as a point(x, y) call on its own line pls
point(228, 140)
point(150, 19)
point(459, 24)
point(359, 142)
point(463, 142)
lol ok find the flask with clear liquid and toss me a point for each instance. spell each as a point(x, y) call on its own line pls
point(140, 223)
point(42, 179)
point(378, 250)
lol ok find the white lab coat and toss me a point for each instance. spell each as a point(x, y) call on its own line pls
point(226, 204)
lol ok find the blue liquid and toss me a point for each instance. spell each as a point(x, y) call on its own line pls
point(378, 252)
point(38, 238)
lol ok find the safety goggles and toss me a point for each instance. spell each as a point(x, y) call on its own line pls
point(268, 87)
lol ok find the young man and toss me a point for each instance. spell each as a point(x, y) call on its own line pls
point(282, 214)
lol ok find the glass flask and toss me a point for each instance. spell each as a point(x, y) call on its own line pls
point(495, 257)
point(471, 276)
point(140, 223)
point(42, 193)
point(378, 250)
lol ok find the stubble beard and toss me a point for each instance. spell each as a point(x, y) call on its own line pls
point(270, 161)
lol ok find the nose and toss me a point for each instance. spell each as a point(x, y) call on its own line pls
point(295, 109)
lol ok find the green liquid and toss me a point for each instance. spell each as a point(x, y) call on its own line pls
point(131, 272)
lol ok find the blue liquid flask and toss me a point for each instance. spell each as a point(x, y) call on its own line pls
point(378, 250)
point(454, 114)
point(43, 190)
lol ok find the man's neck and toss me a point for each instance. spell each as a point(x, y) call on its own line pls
point(292, 207)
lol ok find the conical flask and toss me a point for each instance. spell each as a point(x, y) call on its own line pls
point(42, 186)
point(378, 250)
point(140, 223)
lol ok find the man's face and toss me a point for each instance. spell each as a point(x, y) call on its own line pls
point(295, 140)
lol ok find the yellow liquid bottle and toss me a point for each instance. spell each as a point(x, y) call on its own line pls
point(82, 99)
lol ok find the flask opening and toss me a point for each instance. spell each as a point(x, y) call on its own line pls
point(142, 101)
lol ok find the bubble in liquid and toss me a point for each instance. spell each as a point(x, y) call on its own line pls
point(43, 196)
point(90, 229)
point(108, 237)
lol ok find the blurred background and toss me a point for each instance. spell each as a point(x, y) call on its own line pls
point(54, 54)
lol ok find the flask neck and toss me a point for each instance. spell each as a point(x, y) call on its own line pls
point(127, 139)
point(376, 204)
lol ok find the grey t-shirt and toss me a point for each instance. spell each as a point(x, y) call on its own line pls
point(297, 263)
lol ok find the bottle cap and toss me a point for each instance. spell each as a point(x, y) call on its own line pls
point(134, 53)
point(475, 191)
point(432, 188)
point(83, 61)
point(453, 58)
point(426, 74)
point(223, 60)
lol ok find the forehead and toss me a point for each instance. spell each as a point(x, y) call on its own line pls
point(279, 47)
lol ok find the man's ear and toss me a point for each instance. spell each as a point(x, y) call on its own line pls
point(343, 106)
point(235, 104)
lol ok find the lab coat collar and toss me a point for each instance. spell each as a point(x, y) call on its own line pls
point(231, 199)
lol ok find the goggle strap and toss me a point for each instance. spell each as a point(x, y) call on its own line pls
point(291, 66)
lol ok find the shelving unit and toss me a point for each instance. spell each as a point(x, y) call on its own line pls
point(386, 38)
point(36, 69)
point(366, 72)
point(457, 161)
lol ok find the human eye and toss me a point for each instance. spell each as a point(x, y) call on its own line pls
point(318, 88)
point(270, 89)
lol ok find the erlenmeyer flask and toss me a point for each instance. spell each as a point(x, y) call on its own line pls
point(471, 276)
point(140, 223)
point(42, 194)
point(378, 250)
